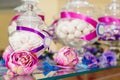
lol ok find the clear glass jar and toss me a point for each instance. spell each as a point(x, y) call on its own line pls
point(110, 21)
point(29, 34)
point(21, 9)
point(77, 24)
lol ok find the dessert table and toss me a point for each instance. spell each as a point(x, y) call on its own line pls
point(110, 73)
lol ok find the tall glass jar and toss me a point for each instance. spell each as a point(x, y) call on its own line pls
point(21, 9)
point(77, 24)
point(109, 27)
point(29, 34)
point(111, 22)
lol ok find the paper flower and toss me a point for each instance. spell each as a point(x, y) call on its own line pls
point(23, 77)
point(66, 56)
point(7, 52)
point(22, 62)
point(90, 60)
point(108, 59)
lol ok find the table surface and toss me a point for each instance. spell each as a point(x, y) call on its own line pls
point(68, 74)
point(109, 73)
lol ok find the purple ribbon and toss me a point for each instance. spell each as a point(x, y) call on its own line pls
point(16, 17)
point(108, 19)
point(22, 28)
point(85, 18)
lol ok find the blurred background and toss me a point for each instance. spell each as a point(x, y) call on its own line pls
point(49, 7)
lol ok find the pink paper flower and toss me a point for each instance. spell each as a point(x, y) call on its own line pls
point(66, 57)
point(7, 52)
point(22, 62)
point(25, 77)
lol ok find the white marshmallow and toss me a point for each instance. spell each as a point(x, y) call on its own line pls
point(86, 31)
point(112, 27)
point(77, 33)
point(90, 27)
point(75, 22)
point(62, 35)
point(80, 27)
point(71, 29)
point(65, 29)
point(12, 27)
point(70, 36)
point(25, 41)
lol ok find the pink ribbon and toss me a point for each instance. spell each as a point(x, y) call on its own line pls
point(16, 17)
point(108, 19)
point(85, 18)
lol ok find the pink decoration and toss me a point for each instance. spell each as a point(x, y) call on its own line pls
point(22, 62)
point(7, 52)
point(66, 57)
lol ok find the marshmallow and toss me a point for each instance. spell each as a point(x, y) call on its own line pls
point(77, 33)
point(12, 27)
point(75, 22)
point(72, 30)
point(90, 27)
point(25, 41)
point(62, 35)
point(86, 31)
point(70, 36)
point(81, 25)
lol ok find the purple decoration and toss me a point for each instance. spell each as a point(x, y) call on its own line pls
point(36, 32)
point(90, 60)
point(108, 59)
point(112, 31)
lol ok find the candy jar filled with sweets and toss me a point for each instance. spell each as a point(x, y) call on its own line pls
point(29, 34)
point(109, 27)
point(21, 9)
point(77, 24)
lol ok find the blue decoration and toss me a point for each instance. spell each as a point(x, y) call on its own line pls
point(48, 68)
point(90, 60)
point(2, 62)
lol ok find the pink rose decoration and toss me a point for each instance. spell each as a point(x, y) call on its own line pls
point(66, 57)
point(21, 77)
point(7, 52)
point(22, 62)
point(24, 77)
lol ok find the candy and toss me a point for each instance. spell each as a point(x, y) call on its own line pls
point(111, 33)
point(62, 35)
point(66, 56)
point(77, 33)
point(12, 27)
point(73, 29)
point(22, 62)
point(70, 36)
point(86, 31)
point(28, 41)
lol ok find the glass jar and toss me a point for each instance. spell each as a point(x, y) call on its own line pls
point(21, 9)
point(109, 27)
point(29, 34)
point(77, 24)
